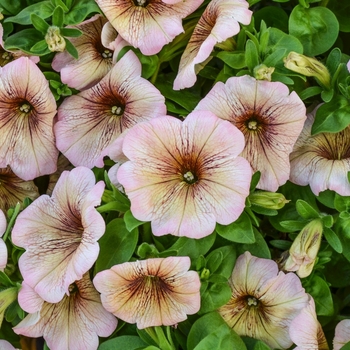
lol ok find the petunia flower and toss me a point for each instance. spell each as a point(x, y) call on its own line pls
point(264, 301)
point(60, 234)
point(89, 122)
point(218, 22)
point(62, 165)
point(321, 161)
point(185, 176)
point(147, 24)
point(3, 248)
point(27, 109)
point(73, 323)
point(270, 119)
point(342, 334)
point(96, 50)
point(151, 292)
point(305, 330)
point(14, 190)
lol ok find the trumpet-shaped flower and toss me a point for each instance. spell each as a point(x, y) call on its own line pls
point(60, 234)
point(151, 292)
point(270, 119)
point(96, 54)
point(147, 24)
point(342, 334)
point(89, 122)
point(305, 330)
point(218, 23)
point(3, 248)
point(264, 301)
point(27, 109)
point(185, 176)
point(321, 161)
point(14, 190)
point(74, 323)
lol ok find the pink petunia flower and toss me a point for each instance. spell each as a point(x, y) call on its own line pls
point(185, 176)
point(305, 330)
point(60, 234)
point(264, 301)
point(97, 53)
point(147, 24)
point(89, 122)
point(73, 323)
point(151, 292)
point(270, 119)
point(321, 161)
point(3, 248)
point(218, 23)
point(27, 109)
point(342, 334)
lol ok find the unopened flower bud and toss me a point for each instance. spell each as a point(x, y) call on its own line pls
point(268, 200)
point(55, 40)
point(308, 66)
point(303, 252)
point(262, 72)
point(7, 297)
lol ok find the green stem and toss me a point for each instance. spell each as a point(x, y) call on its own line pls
point(151, 332)
point(170, 338)
point(162, 340)
point(111, 206)
point(155, 74)
point(12, 221)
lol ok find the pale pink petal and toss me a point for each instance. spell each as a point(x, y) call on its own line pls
point(27, 109)
point(28, 300)
point(108, 36)
point(342, 334)
point(5, 345)
point(147, 26)
point(348, 66)
point(218, 23)
point(270, 118)
point(88, 123)
point(60, 234)
point(152, 292)
point(3, 223)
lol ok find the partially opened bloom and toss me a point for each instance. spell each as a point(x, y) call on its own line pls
point(264, 301)
point(147, 24)
point(74, 323)
point(60, 234)
point(14, 190)
point(96, 56)
point(151, 292)
point(185, 176)
point(305, 330)
point(219, 22)
point(342, 334)
point(321, 161)
point(3, 248)
point(89, 122)
point(27, 109)
point(270, 119)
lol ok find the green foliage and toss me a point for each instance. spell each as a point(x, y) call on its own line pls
point(125, 342)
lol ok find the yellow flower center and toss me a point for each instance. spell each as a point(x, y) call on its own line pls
point(252, 301)
point(189, 177)
point(117, 110)
point(25, 108)
point(107, 54)
point(252, 125)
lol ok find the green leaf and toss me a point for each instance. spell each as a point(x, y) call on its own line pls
point(251, 55)
point(327, 95)
point(117, 245)
point(58, 17)
point(40, 48)
point(214, 260)
point(280, 244)
point(23, 40)
point(333, 239)
point(5, 280)
point(346, 346)
point(255, 180)
point(342, 228)
point(80, 11)
point(333, 116)
point(341, 9)
point(292, 225)
point(71, 32)
point(316, 27)
point(234, 59)
point(333, 60)
point(43, 9)
point(131, 222)
point(342, 203)
point(240, 231)
point(229, 256)
point(125, 342)
point(11, 7)
point(305, 210)
point(327, 198)
point(216, 295)
point(259, 248)
point(310, 92)
point(273, 16)
point(327, 220)
point(39, 24)
point(62, 4)
point(71, 49)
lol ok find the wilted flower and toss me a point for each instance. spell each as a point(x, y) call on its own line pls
point(270, 118)
point(27, 109)
point(3, 248)
point(308, 66)
point(55, 41)
point(264, 301)
point(342, 334)
point(96, 49)
point(147, 24)
point(219, 22)
point(151, 292)
point(303, 252)
point(60, 234)
point(262, 72)
point(185, 176)
point(73, 323)
point(14, 190)
point(89, 122)
point(305, 330)
point(321, 161)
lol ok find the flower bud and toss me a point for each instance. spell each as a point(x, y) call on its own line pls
point(308, 66)
point(55, 40)
point(268, 200)
point(262, 72)
point(303, 252)
point(7, 297)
